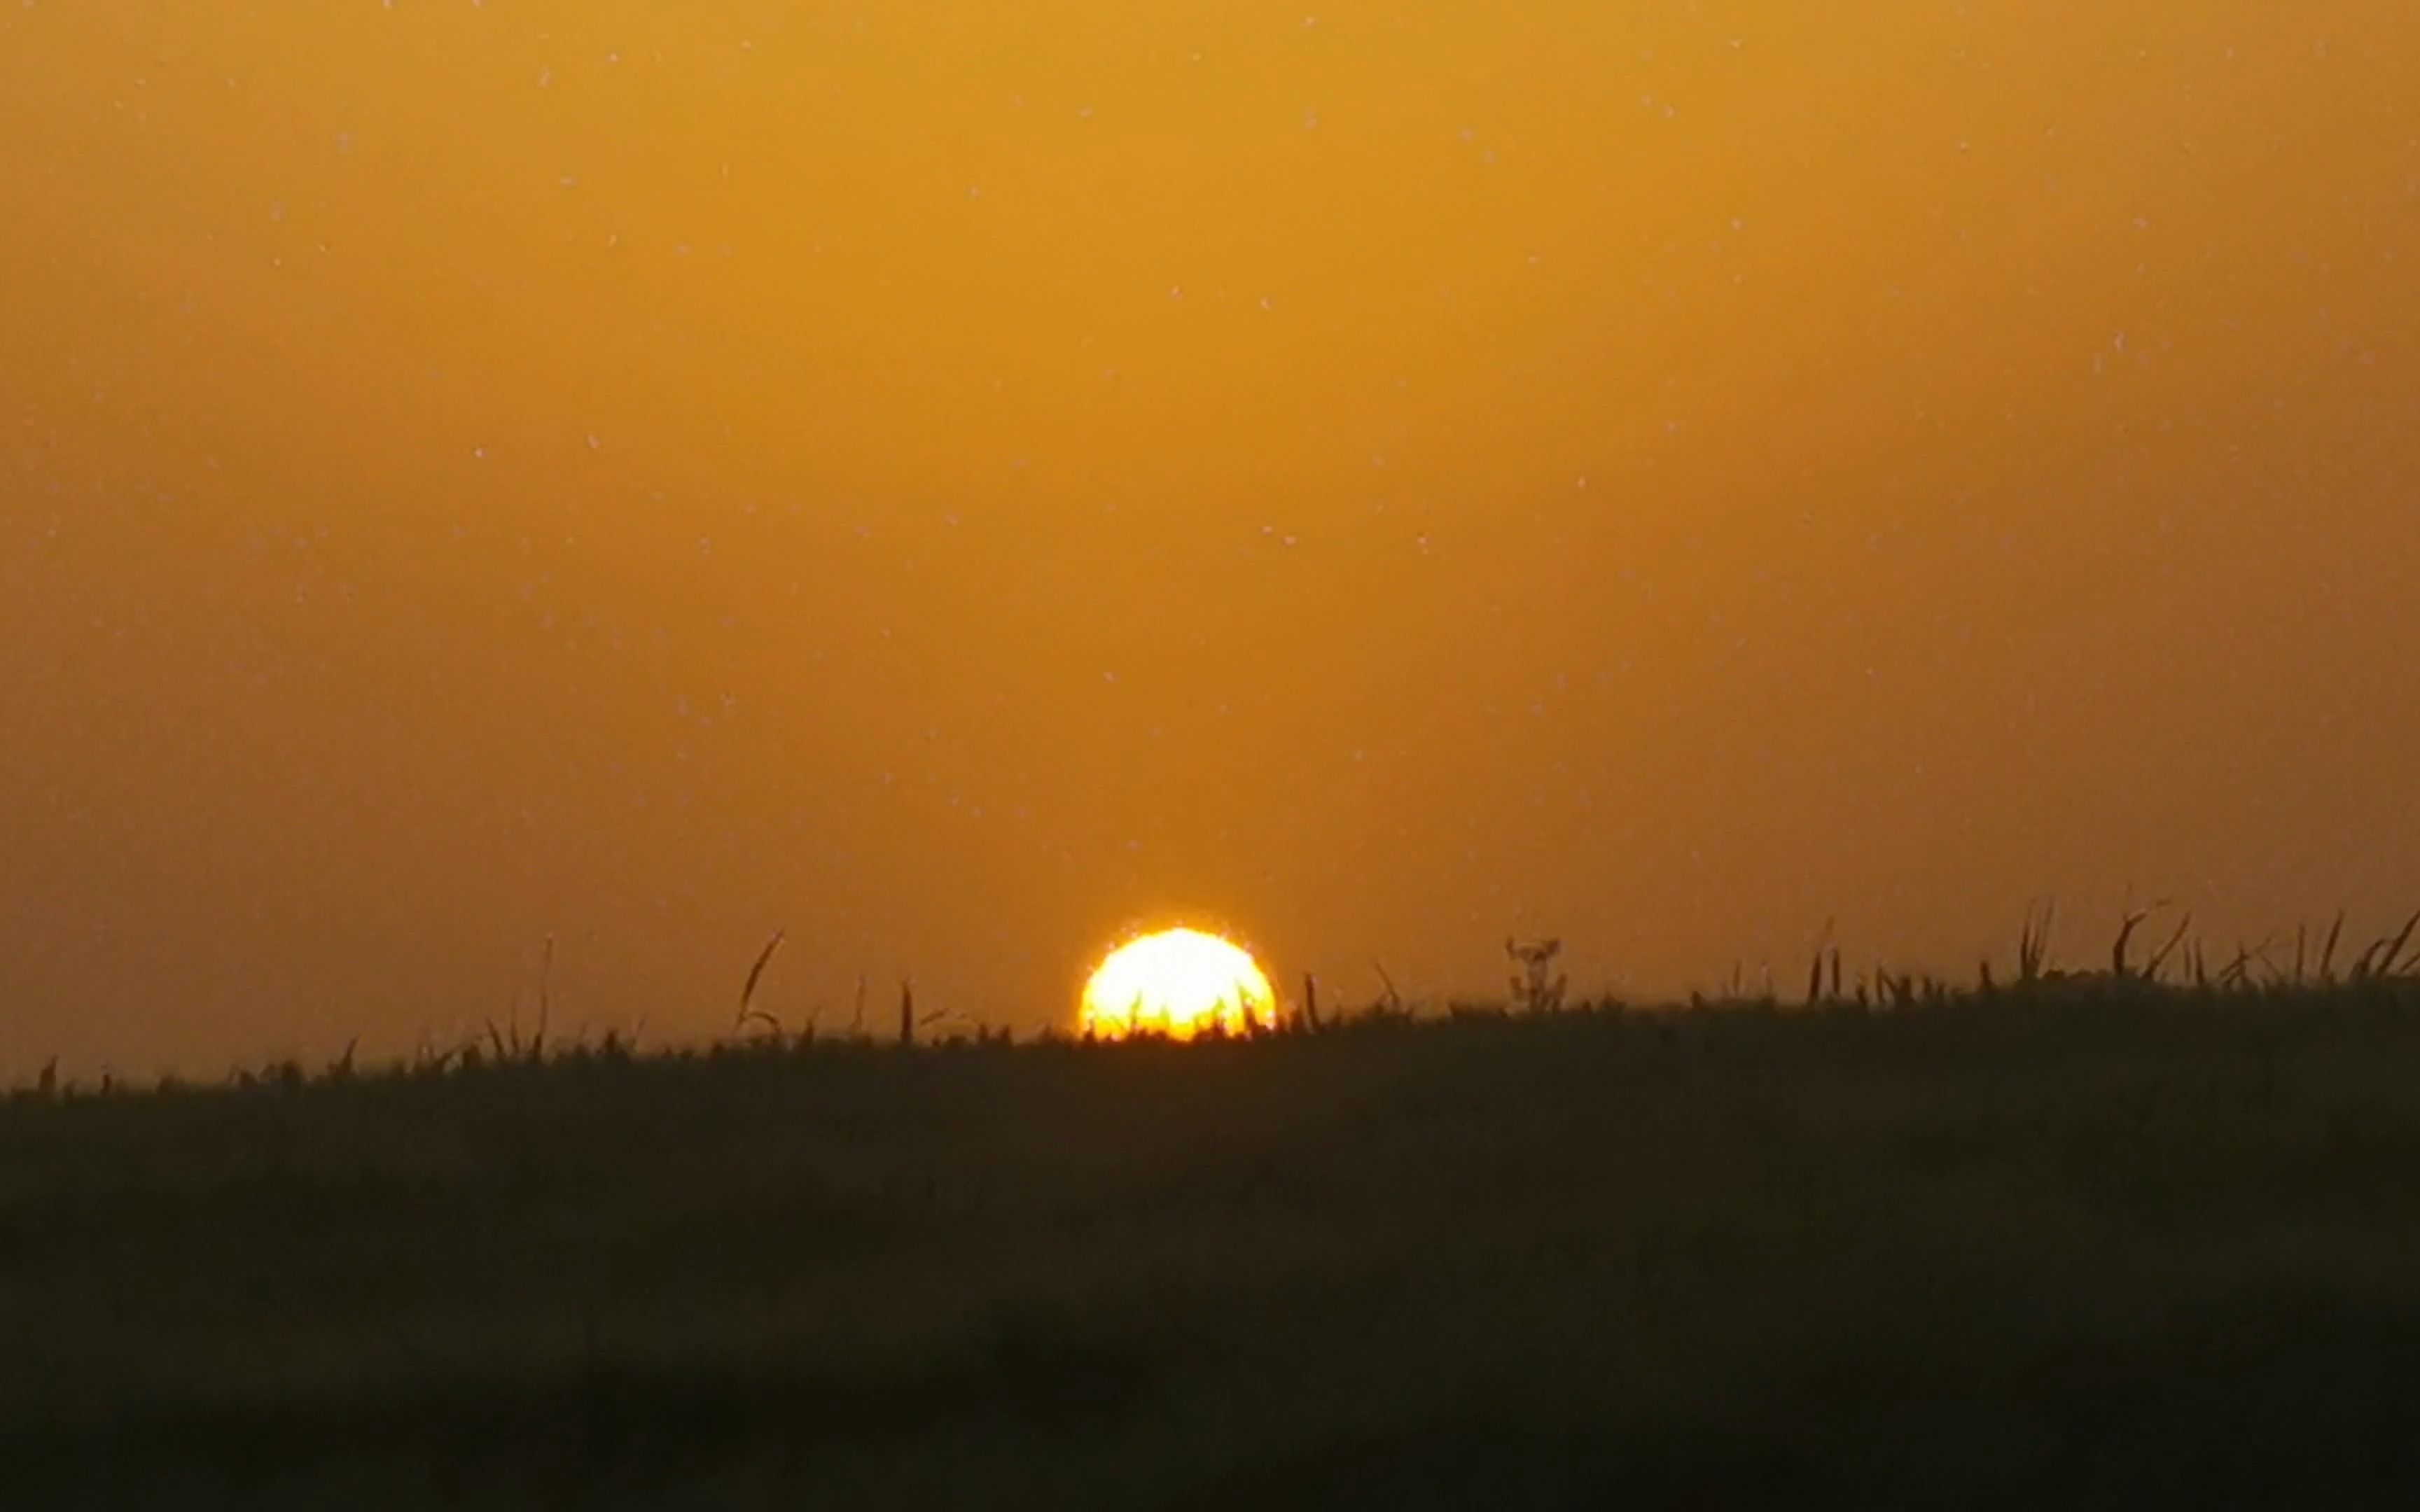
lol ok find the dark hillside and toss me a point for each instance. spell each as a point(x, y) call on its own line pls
point(2093, 1243)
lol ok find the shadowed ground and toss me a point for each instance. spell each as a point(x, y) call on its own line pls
point(2092, 1243)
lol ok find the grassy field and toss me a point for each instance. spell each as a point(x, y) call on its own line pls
point(2089, 1242)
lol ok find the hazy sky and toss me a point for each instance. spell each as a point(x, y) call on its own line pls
point(955, 478)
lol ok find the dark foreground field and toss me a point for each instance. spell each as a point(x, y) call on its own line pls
point(2090, 1245)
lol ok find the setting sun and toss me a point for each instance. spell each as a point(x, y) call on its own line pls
point(1180, 983)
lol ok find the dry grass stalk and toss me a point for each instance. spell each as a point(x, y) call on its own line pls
point(2033, 940)
point(747, 1009)
point(545, 999)
point(2159, 958)
point(1394, 1001)
point(2126, 927)
point(2392, 949)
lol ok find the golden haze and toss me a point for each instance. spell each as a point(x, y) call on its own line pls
point(950, 477)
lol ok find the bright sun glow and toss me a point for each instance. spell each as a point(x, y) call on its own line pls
point(1180, 983)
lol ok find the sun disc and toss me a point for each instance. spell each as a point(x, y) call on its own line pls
point(1179, 982)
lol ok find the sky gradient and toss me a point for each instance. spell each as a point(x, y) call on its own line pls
point(960, 478)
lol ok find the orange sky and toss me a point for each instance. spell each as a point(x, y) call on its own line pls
point(954, 478)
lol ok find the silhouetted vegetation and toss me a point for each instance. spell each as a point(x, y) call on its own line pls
point(2150, 1234)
